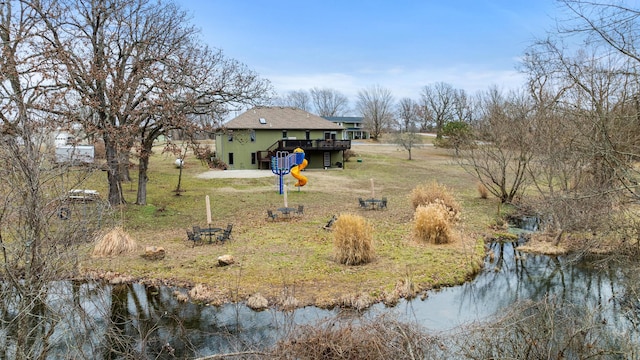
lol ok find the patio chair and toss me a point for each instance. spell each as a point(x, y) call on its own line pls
point(329, 225)
point(271, 216)
point(226, 234)
point(383, 203)
point(362, 203)
point(300, 210)
point(193, 236)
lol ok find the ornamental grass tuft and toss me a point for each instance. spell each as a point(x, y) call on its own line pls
point(432, 224)
point(425, 194)
point(353, 240)
point(113, 243)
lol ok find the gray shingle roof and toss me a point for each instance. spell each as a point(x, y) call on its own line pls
point(345, 119)
point(276, 117)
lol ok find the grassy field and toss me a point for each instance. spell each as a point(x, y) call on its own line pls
point(282, 260)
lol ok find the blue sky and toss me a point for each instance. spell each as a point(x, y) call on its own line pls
point(401, 45)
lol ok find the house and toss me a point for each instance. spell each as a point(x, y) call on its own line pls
point(352, 126)
point(251, 139)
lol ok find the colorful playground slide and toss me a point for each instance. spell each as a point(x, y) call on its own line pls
point(295, 172)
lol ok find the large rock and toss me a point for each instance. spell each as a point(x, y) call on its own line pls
point(226, 260)
point(154, 253)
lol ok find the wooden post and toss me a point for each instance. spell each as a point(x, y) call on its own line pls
point(208, 210)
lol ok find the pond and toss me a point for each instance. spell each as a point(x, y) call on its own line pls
point(151, 319)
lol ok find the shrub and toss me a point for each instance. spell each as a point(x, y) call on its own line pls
point(205, 154)
point(370, 339)
point(482, 190)
point(426, 194)
point(348, 154)
point(432, 224)
point(352, 240)
point(545, 329)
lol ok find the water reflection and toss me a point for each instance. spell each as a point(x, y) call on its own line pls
point(114, 320)
point(514, 276)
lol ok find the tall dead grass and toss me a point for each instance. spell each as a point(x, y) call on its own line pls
point(113, 243)
point(353, 240)
point(381, 338)
point(432, 224)
point(483, 192)
point(425, 194)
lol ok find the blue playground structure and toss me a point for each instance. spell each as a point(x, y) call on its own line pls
point(282, 163)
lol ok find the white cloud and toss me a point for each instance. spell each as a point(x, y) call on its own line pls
point(401, 82)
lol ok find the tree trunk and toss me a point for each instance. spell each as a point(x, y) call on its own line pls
point(143, 167)
point(123, 167)
point(141, 198)
point(115, 186)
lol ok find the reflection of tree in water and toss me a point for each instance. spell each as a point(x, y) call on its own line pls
point(118, 344)
point(511, 275)
point(141, 324)
point(151, 322)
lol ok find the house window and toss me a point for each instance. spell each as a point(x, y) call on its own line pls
point(252, 135)
point(230, 137)
point(330, 135)
point(307, 135)
point(253, 158)
point(230, 158)
point(284, 134)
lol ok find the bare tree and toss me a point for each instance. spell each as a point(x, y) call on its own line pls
point(587, 121)
point(408, 140)
point(376, 106)
point(503, 146)
point(209, 84)
point(41, 229)
point(407, 114)
point(299, 99)
point(329, 102)
point(136, 65)
point(462, 107)
point(587, 137)
point(439, 104)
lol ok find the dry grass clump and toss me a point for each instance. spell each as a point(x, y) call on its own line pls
point(425, 194)
point(257, 302)
point(353, 240)
point(115, 242)
point(200, 293)
point(380, 338)
point(432, 224)
point(483, 191)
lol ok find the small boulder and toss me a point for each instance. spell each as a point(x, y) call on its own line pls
point(226, 260)
point(154, 253)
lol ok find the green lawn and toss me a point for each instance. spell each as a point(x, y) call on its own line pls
point(294, 258)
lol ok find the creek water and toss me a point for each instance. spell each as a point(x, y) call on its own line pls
point(152, 318)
